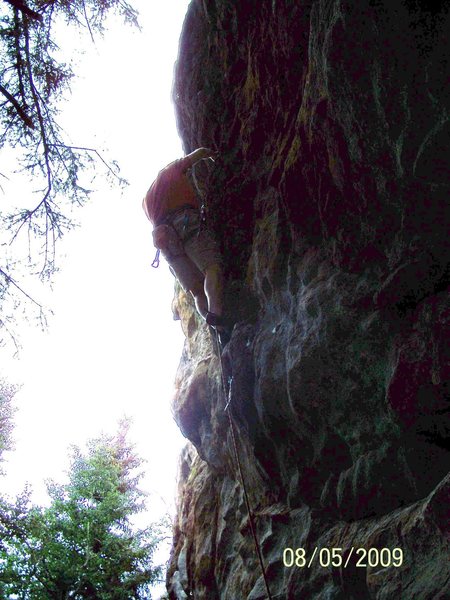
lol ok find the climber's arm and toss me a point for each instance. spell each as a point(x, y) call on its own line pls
point(192, 158)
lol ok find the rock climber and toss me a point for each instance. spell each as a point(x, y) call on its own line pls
point(173, 207)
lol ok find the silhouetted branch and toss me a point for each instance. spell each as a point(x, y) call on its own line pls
point(24, 9)
point(9, 279)
point(20, 111)
point(94, 151)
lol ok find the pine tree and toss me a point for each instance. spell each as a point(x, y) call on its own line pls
point(83, 546)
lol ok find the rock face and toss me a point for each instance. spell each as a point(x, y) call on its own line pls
point(329, 201)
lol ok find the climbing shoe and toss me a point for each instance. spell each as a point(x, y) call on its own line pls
point(222, 327)
point(216, 321)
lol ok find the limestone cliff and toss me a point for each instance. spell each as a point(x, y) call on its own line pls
point(329, 201)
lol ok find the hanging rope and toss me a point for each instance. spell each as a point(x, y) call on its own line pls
point(230, 418)
point(241, 473)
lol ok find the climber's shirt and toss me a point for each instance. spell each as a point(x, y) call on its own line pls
point(173, 207)
point(170, 191)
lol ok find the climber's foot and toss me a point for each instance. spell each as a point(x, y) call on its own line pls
point(217, 321)
point(222, 328)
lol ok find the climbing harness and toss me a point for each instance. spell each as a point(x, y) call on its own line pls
point(241, 473)
point(166, 237)
point(167, 240)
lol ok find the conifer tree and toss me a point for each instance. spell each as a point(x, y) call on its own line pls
point(83, 546)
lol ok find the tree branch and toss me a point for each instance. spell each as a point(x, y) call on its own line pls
point(38, 110)
point(19, 63)
point(20, 111)
point(11, 335)
point(26, 10)
point(94, 151)
point(9, 279)
point(87, 23)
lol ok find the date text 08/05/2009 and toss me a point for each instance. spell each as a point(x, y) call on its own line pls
point(339, 557)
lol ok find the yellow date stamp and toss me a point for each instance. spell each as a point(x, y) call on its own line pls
point(340, 557)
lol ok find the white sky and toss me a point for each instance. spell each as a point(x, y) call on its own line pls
point(112, 347)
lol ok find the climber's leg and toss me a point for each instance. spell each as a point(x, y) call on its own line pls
point(203, 250)
point(214, 288)
point(201, 301)
point(214, 292)
point(191, 280)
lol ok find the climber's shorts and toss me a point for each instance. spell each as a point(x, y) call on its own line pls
point(200, 247)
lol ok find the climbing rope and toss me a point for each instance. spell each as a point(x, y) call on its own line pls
point(241, 473)
point(228, 411)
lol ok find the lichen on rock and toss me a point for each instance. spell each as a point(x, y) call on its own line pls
point(329, 201)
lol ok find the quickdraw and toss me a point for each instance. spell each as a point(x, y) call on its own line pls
point(155, 263)
point(203, 209)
